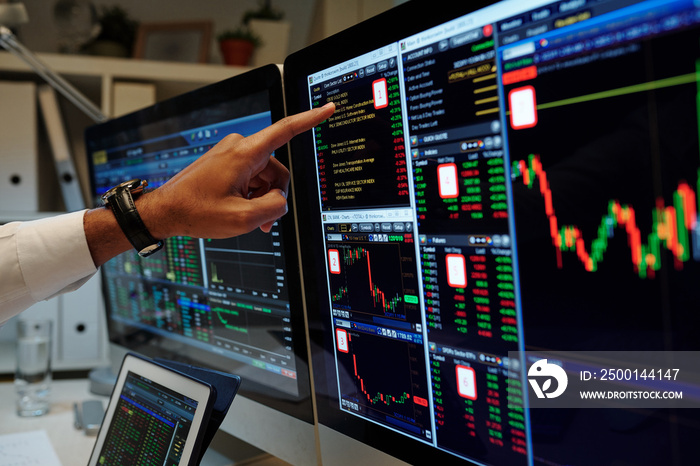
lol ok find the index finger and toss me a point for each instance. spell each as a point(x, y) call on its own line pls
point(264, 142)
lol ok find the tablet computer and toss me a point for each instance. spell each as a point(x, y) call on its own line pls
point(155, 416)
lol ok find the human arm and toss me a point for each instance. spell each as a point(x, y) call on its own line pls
point(40, 259)
point(232, 189)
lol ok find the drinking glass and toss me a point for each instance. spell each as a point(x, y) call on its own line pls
point(33, 370)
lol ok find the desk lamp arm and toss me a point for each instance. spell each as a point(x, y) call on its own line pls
point(11, 44)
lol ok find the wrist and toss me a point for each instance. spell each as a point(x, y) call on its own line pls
point(121, 201)
point(104, 237)
point(154, 214)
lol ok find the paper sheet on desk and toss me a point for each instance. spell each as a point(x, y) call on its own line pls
point(27, 449)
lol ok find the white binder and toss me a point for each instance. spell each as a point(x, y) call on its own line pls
point(65, 167)
point(81, 332)
point(19, 186)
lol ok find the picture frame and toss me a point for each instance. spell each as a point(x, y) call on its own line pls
point(186, 41)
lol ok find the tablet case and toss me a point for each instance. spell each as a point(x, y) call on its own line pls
point(225, 388)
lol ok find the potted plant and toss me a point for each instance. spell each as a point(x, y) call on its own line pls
point(267, 22)
point(264, 12)
point(237, 45)
point(117, 33)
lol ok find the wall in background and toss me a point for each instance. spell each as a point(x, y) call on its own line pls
point(41, 34)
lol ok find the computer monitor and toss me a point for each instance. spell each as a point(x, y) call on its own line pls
point(230, 304)
point(495, 179)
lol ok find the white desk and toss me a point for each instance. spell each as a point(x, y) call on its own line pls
point(72, 446)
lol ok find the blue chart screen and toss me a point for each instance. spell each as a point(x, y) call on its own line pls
point(222, 299)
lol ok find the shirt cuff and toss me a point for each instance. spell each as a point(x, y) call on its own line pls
point(54, 255)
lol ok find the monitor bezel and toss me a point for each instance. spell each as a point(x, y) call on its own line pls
point(267, 78)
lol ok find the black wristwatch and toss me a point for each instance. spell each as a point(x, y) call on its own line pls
point(121, 200)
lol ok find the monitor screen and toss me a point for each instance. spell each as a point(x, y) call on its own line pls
point(517, 177)
point(230, 304)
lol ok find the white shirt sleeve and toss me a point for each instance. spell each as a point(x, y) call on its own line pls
point(41, 259)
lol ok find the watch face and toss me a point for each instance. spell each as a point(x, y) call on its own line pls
point(148, 250)
point(109, 194)
point(136, 186)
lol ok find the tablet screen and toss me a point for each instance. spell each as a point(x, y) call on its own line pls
point(151, 419)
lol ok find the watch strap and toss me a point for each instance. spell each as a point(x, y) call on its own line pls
point(124, 208)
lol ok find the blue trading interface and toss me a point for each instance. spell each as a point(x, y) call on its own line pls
point(226, 297)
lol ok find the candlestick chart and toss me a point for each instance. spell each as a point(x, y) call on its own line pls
point(621, 139)
point(375, 278)
point(396, 388)
point(672, 226)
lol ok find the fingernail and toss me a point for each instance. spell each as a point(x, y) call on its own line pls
point(329, 105)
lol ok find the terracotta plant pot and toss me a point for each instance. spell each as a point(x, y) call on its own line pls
point(236, 52)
